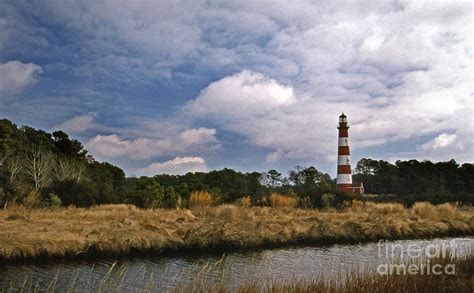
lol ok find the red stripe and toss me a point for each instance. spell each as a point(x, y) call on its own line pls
point(344, 188)
point(343, 169)
point(343, 151)
point(343, 132)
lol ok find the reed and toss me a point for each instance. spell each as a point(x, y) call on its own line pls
point(376, 208)
point(425, 210)
point(112, 280)
point(245, 201)
point(279, 200)
point(370, 281)
point(200, 199)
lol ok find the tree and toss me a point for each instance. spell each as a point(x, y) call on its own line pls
point(107, 180)
point(3, 157)
point(67, 168)
point(38, 166)
point(169, 198)
point(273, 178)
point(367, 167)
point(67, 147)
point(328, 199)
point(254, 187)
point(11, 138)
point(14, 165)
point(70, 192)
point(148, 194)
point(229, 184)
point(38, 137)
point(378, 176)
point(296, 176)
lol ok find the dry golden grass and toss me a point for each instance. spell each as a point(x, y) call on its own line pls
point(424, 210)
point(32, 200)
point(377, 208)
point(245, 201)
point(279, 200)
point(305, 203)
point(180, 203)
point(125, 229)
point(200, 199)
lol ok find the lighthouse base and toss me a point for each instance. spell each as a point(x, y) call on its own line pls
point(352, 189)
point(347, 188)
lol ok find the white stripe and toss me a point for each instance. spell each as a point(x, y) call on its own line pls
point(343, 160)
point(344, 179)
point(343, 141)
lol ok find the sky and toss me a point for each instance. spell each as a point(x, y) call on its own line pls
point(176, 86)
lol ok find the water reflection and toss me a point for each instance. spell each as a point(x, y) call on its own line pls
point(233, 269)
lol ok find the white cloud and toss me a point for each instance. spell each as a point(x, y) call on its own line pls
point(143, 148)
point(240, 95)
point(442, 141)
point(176, 166)
point(372, 43)
point(79, 123)
point(446, 146)
point(15, 76)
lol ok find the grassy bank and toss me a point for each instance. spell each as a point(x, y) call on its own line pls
point(112, 230)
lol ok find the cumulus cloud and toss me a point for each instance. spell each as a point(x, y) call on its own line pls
point(176, 166)
point(243, 94)
point(15, 76)
point(143, 148)
point(78, 123)
point(442, 141)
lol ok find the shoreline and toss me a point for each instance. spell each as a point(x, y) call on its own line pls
point(125, 231)
point(198, 252)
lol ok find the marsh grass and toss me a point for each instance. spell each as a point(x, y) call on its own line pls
point(200, 199)
point(279, 200)
point(118, 230)
point(245, 201)
point(16, 212)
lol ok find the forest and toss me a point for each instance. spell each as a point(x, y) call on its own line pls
point(41, 169)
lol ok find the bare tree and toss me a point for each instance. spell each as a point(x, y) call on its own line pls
point(70, 169)
point(14, 165)
point(38, 165)
point(3, 157)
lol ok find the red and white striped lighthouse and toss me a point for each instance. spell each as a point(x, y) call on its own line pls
point(344, 177)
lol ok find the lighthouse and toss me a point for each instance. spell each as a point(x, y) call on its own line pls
point(344, 175)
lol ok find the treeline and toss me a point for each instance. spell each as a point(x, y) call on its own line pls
point(308, 186)
point(38, 168)
point(411, 181)
point(41, 168)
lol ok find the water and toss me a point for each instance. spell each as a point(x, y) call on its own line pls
point(232, 269)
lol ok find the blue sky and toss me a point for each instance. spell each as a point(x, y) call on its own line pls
point(161, 86)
